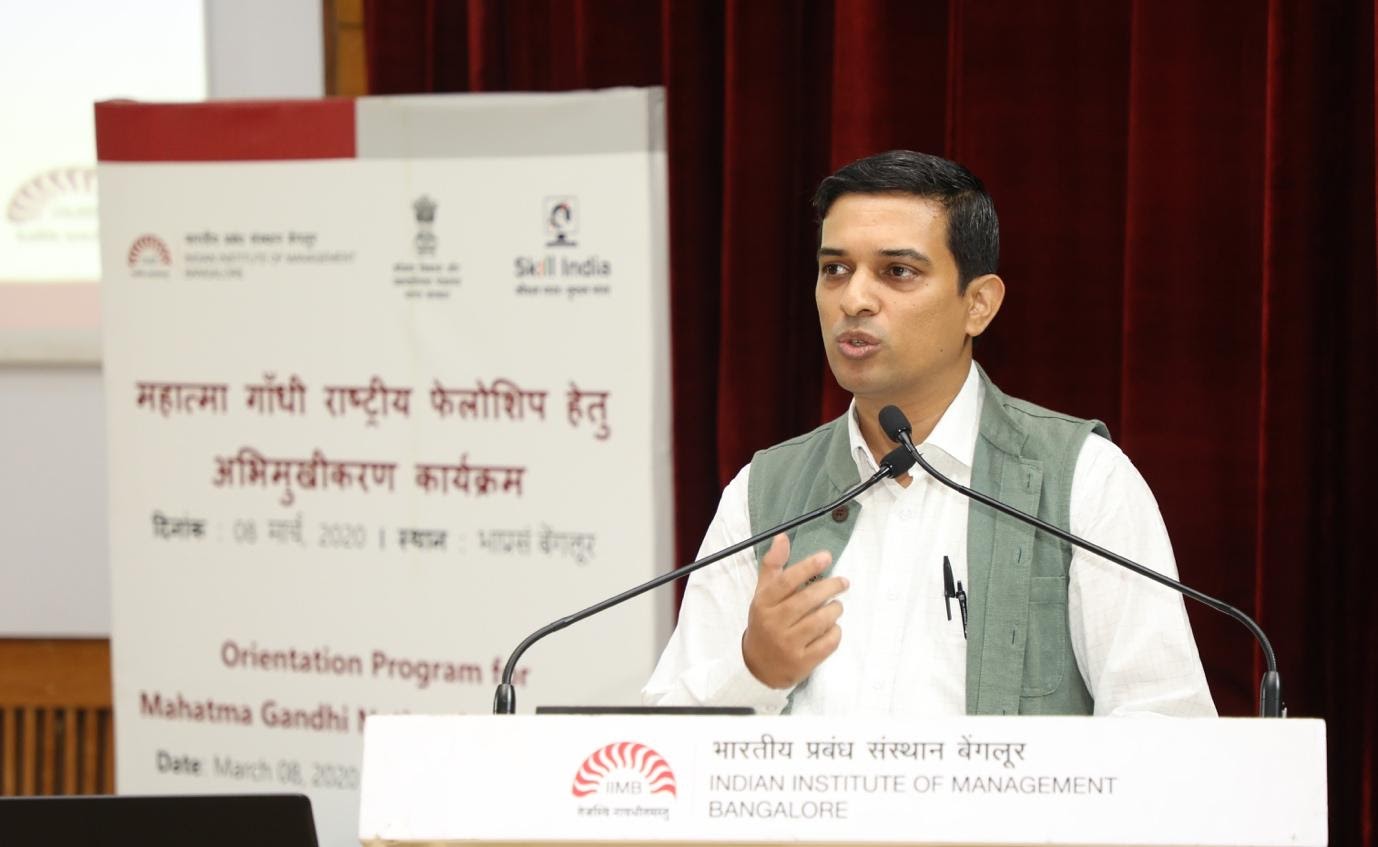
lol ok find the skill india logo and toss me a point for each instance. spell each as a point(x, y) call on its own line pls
point(561, 221)
point(626, 769)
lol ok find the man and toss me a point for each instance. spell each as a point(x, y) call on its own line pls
point(907, 258)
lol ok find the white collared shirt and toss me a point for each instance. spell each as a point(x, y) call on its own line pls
point(899, 654)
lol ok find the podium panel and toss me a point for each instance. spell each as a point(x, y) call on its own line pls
point(754, 780)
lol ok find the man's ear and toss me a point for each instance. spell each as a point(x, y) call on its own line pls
point(983, 297)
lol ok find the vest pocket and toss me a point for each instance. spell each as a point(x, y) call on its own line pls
point(1047, 645)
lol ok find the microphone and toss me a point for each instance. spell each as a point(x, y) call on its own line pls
point(895, 463)
point(897, 427)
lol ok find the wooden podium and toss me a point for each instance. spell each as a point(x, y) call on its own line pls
point(765, 780)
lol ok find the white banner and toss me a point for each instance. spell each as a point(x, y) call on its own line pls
point(781, 780)
point(371, 422)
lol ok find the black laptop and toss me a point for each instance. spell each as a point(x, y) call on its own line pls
point(208, 820)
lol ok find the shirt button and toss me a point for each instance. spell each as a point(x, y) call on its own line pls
point(840, 514)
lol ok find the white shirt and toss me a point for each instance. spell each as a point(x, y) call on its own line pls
point(899, 654)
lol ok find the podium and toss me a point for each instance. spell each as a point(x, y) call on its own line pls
point(642, 779)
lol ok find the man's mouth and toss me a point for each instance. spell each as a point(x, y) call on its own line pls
point(856, 345)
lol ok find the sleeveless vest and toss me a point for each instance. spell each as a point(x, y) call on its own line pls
point(1019, 650)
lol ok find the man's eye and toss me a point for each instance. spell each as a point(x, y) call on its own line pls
point(901, 272)
point(832, 269)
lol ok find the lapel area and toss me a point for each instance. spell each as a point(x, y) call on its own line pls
point(832, 531)
point(999, 561)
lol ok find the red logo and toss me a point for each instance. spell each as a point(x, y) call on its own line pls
point(30, 199)
point(614, 763)
point(149, 250)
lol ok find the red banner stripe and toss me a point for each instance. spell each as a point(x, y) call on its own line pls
point(228, 130)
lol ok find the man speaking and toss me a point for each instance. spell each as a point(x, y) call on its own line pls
point(950, 607)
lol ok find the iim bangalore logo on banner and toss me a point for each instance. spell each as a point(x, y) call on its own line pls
point(625, 779)
point(149, 256)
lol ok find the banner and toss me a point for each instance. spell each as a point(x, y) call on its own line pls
point(969, 780)
point(387, 389)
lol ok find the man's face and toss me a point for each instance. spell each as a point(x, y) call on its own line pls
point(894, 325)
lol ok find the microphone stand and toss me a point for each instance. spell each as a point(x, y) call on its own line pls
point(1270, 688)
point(895, 463)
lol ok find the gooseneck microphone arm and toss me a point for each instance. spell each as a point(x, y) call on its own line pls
point(897, 427)
point(897, 462)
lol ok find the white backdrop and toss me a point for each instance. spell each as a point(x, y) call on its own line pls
point(373, 420)
point(54, 577)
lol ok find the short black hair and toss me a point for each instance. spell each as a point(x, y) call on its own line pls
point(973, 230)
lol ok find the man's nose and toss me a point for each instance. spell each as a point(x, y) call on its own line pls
point(859, 294)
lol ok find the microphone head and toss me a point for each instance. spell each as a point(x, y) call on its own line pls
point(893, 422)
point(899, 461)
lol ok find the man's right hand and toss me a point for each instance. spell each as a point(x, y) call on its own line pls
point(792, 625)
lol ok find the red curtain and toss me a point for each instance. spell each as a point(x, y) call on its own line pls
point(1187, 197)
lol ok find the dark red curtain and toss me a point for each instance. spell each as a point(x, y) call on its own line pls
point(1187, 197)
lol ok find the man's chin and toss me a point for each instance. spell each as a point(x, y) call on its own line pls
point(861, 387)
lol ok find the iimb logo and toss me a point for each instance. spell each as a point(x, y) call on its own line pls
point(625, 770)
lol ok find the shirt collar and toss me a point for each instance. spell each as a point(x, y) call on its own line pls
point(953, 438)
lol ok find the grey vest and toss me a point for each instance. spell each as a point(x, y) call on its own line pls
point(1019, 652)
